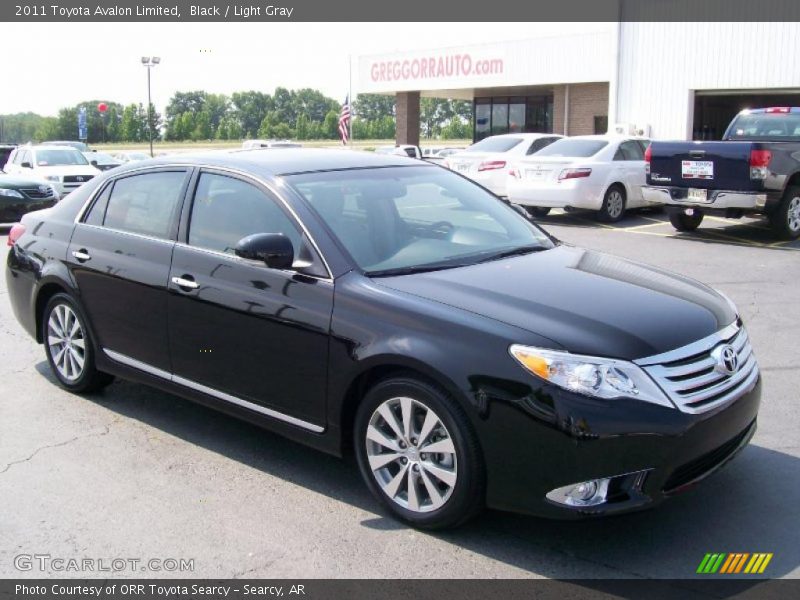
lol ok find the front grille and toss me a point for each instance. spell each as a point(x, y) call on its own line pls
point(703, 465)
point(694, 377)
point(77, 178)
point(38, 194)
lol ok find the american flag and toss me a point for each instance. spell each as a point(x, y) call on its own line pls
point(344, 121)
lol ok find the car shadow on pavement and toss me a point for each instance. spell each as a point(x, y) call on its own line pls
point(752, 505)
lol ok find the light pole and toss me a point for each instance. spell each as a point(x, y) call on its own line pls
point(149, 62)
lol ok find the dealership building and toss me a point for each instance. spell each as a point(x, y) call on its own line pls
point(659, 79)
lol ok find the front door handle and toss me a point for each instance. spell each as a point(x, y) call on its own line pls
point(186, 282)
point(81, 255)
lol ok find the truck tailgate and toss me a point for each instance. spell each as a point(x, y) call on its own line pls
point(708, 165)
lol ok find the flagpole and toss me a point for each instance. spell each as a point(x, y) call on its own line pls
point(350, 98)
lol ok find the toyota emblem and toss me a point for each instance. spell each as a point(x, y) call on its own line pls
point(727, 360)
point(44, 189)
point(79, 178)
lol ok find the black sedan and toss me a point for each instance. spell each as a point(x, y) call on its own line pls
point(393, 308)
point(21, 195)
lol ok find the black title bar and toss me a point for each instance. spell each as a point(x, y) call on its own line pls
point(398, 10)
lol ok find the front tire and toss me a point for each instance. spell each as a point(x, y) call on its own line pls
point(784, 220)
point(418, 454)
point(683, 222)
point(613, 207)
point(69, 346)
point(538, 211)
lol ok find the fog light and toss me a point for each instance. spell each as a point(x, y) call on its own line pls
point(585, 493)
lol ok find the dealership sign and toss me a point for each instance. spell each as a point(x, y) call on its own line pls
point(433, 66)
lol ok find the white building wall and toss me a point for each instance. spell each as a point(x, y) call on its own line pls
point(661, 64)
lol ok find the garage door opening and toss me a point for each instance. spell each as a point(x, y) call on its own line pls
point(714, 110)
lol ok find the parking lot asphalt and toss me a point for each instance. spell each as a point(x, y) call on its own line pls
point(137, 473)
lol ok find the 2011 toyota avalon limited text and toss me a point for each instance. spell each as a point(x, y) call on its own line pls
point(395, 308)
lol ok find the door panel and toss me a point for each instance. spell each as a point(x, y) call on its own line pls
point(122, 286)
point(256, 333)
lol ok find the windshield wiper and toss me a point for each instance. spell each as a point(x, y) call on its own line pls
point(414, 269)
point(514, 252)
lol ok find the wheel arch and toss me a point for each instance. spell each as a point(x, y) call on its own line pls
point(378, 369)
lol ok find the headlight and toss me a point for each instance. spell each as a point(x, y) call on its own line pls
point(590, 375)
point(10, 193)
point(52, 178)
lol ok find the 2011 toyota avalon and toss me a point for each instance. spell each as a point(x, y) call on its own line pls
point(348, 300)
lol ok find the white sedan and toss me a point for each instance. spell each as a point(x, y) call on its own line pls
point(603, 173)
point(487, 162)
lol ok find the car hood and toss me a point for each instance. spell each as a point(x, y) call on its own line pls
point(585, 301)
point(15, 183)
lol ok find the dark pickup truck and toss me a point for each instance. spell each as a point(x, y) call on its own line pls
point(754, 170)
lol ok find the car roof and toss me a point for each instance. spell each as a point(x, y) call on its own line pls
point(286, 161)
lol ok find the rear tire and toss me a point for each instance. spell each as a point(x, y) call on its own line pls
point(613, 208)
point(428, 490)
point(69, 346)
point(683, 222)
point(784, 220)
point(538, 211)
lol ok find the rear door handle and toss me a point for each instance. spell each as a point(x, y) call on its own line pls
point(185, 282)
point(81, 255)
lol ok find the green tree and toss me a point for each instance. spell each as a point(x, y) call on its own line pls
point(330, 126)
point(372, 107)
point(301, 127)
point(250, 108)
point(202, 126)
point(47, 129)
point(130, 127)
point(268, 125)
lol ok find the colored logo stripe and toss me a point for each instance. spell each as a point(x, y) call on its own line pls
point(732, 563)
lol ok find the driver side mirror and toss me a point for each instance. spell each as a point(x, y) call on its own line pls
point(273, 249)
point(94, 163)
point(26, 165)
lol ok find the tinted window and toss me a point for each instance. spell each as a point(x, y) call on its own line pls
point(394, 219)
point(766, 125)
point(98, 210)
point(495, 144)
point(571, 147)
point(226, 209)
point(60, 156)
point(146, 203)
point(539, 144)
point(631, 150)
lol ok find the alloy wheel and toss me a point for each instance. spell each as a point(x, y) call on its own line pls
point(66, 341)
point(615, 204)
point(411, 455)
point(793, 214)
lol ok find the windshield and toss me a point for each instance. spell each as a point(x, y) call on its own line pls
point(494, 144)
point(57, 157)
point(572, 148)
point(765, 125)
point(404, 219)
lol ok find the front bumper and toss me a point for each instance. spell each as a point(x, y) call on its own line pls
point(559, 438)
point(717, 199)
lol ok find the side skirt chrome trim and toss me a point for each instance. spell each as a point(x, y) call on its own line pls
point(137, 364)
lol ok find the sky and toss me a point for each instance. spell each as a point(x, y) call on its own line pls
point(73, 62)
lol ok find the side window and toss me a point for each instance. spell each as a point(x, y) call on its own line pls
point(226, 209)
point(630, 150)
point(97, 212)
point(539, 144)
point(146, 203)
point(25, 156)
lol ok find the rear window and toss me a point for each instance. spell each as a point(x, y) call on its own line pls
point(763, 125)
point(573, 148)
point(495, 144)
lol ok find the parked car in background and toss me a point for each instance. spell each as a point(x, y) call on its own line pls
point(385, 305)
point(102, 161)
point(63, 167)
point(5, 152)
point(487, 162)
point(409, 150)
point(127, 156)
point(21, 195)
point(251, 144)
point(79, 146)
point(754, 170)
point(603, 173)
